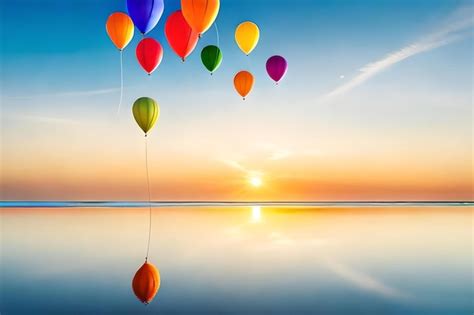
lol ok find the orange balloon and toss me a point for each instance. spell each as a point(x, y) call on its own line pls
point(146, 282)
point(119, 27)
point(243, 83)
point(200, 14)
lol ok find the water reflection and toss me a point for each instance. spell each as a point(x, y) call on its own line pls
point(146, 282)
point(239, 260)
point(256, 214)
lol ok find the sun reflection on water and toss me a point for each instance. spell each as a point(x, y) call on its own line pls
point(256, 214)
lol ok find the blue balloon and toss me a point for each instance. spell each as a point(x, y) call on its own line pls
point(145, 14)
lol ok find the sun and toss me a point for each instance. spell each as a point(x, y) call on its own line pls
point(255, 181)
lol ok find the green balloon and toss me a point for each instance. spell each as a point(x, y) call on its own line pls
point(146, 111)
point(211, 57)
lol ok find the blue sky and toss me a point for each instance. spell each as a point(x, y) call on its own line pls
point(333, 36)
point(58, 66)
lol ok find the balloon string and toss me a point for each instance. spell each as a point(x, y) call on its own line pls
point(217, 53)
point(149, 198)
point(121, 82)
point(217, 34)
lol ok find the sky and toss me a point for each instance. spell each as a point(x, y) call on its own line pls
point(376, 105)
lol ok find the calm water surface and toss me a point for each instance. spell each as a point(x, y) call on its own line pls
point(239, 260)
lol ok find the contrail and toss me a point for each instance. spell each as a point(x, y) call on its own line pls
point(457, 27)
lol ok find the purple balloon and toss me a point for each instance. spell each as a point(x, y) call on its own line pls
point(276, 67)
point(145, 14)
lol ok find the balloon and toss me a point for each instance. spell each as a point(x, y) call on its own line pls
point(146, 111)
point(149, 54)
point(119, 27)
point(146, 282)
point(180, 35)
point(200, 14)
point(243, 83)
point(145, 13)
point(211, 57)
point(246, 36)
point(276, 67)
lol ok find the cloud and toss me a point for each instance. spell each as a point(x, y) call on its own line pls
point(274, 152)
point(277, 152)
point(456, 28)
point(234, 164)
point(280, 154)
point(45, 119)
point(67, 94)
point(237, 166)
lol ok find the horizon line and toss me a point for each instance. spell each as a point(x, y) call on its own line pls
point(203, 203)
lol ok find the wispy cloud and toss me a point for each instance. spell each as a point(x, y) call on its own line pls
point(280, 154)
point(238, 166)
point(273, 152)
point(44, 119)
point(234, 164)
point(67, 94)
point(457, 26)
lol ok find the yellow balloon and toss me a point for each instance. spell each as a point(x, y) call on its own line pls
point(146, 111)
point(246, 36)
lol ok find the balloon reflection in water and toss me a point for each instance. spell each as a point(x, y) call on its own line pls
point(146, 282)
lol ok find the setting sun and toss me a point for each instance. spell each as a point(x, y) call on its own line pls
point(255, 181)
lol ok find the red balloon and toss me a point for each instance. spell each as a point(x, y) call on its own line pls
point(149, 54)
point(180, 35)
